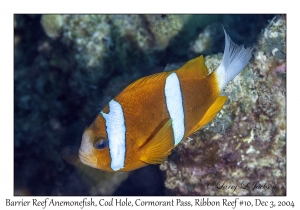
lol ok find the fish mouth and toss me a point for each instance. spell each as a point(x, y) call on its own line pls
point(84, 159)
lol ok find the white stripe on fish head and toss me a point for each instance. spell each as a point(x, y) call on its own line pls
point(86, 150)
point(175, 106)
point(116, 133)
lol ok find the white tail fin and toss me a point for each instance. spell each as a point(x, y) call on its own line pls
point(234, 60)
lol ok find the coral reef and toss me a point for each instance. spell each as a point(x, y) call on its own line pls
point(165, 27)
point(96, 39)
point(52, 25)
point(204, 43)
point(243, 150)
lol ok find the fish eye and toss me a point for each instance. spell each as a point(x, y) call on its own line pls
point(100, 143)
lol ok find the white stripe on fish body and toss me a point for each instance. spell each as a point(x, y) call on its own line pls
point(235, 59)
point(116, 133)
point(175, 106)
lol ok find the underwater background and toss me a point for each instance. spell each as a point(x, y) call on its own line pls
point(68, 67)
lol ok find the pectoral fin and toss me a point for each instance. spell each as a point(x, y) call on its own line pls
point(159, 147)
point(211, 112)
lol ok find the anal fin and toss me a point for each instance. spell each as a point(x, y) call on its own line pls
point(211, 112)
point(159, 147)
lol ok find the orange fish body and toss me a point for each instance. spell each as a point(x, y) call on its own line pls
point(151, 116)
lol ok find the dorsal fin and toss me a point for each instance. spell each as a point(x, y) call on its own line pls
point(148, 80)
point(194, 68)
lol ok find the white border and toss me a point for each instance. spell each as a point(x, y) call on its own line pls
point(8, 8)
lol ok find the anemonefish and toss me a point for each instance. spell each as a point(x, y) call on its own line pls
point(142, 124)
